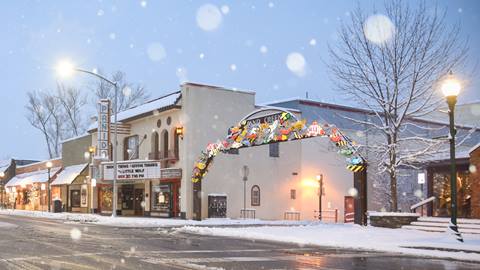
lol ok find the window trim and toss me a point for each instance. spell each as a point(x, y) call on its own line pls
point(258, 201)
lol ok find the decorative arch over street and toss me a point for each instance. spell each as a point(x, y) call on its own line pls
point(274, 125)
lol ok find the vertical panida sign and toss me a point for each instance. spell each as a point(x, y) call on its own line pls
point(103, 141)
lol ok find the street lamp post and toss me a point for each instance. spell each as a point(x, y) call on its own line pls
point(49, 191)
point(65, 69)
point(245, 172)
point(2, 189)
point(451, 89)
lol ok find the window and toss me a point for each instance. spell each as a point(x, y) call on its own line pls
point(154, 145)
point(255, 196)
point(293, 194)
point(274, 149)
point(131, 148)
point(233, 151)
point(164, 146)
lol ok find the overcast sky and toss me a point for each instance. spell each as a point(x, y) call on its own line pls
point(244, 44)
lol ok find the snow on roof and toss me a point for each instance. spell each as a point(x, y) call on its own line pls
point(24, 179)
point(474, 148)
point(68, 174)
point(149, 106)
point(4, 164)
point(39, 162)
point(74, 138)
point(439, 156)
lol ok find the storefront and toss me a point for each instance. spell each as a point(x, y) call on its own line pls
point(72, 188)
point(29, 191)
point(144, 189)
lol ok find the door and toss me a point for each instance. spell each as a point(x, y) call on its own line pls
point(138, 202)
point(349, 214)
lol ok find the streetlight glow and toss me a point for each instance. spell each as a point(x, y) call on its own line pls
point(451, 86)
point(65, 68)
point(49, 164)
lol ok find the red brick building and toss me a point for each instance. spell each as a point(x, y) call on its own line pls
point(475, 175)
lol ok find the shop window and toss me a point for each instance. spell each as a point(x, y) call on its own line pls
point(293, 194)
point(255, 196)
point(161, 198)
point(274, 149)
point(131, 148)
point(106, 198)
point(75, 198)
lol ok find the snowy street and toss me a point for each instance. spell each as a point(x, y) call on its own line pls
point(40, 243)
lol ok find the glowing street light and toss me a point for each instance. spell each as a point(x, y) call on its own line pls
point(66, 68)
point(451, 88)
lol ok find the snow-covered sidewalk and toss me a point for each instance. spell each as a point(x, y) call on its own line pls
point(141, 222)
point(427, 244)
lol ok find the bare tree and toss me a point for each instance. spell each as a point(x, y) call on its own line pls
point(72, 102)
point(129, 94)
point(57, 115)
point(396, 77)
point(39, 117)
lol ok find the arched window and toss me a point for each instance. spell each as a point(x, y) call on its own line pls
point(164, 148)
point(255, 196)
point(155, 145)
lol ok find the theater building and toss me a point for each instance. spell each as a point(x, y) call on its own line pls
point(160, 141)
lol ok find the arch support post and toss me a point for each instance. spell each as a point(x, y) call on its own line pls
point(360, 203)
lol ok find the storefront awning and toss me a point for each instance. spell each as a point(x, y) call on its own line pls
point(25, 179)
point(68, 174)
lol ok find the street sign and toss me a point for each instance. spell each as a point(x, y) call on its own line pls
point(421, 178)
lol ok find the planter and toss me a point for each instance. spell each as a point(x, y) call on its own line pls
point(390, 219)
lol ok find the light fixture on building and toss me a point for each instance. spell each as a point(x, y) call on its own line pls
point(49, 164)
point(91, 149)
point(86, 155)
point(94, 182)
point(43, 186)
point(179, 131)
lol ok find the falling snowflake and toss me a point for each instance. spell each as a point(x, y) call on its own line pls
point(271, 5)
point(112, 36)
point(233, 67)
point(353, 192)
point(75, 234)
point(100, 12)
point(156, 52)
point(313, 42)
point(209, 17)
point(225, 9)
point(472, 168)
point(143, 4)
point(418, 193)
point(131, 46)
point(296, 63)
point(127, 91)
point(263, 49)
point(460, 10)
point(201, 56)
point(378, 29)
point(89, 41)
point(181, 74)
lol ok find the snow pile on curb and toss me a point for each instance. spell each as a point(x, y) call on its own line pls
point(356, 237)
point(145, 222)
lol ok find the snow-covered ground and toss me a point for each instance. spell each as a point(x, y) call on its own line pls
point(141, 222)
point(356, 237)
point(298, 232)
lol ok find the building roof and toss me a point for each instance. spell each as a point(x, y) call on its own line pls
point(24, 179)
point(4, 164)
point(159, 104)
point(316, 103)
point(68, 174)
point(474, 148)
point(75, 138)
